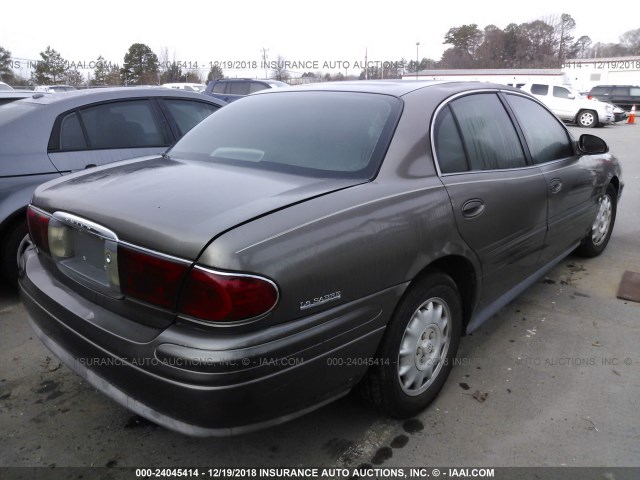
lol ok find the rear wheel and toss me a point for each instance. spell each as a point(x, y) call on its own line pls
point(594, 243)
point(8, 253)
point(418, 348)
point(587, 118)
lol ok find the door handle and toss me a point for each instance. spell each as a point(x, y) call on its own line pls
point(472, 208)
point(555, 185)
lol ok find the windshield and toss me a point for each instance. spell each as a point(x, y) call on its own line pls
point(321, 134)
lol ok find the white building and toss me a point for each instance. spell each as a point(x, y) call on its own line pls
point(582, 74)
point(506, 76)
point(586, 73)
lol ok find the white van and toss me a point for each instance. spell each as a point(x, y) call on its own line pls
point(571, 106)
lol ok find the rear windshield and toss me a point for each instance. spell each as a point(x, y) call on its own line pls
point(320, 134)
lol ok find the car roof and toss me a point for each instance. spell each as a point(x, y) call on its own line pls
point(396, 88)
point(74, 98)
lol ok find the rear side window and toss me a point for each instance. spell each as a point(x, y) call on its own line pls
point(546, 138)
point(634, 91)
point(538, 89)
point(131, 124)
point(238, 88)
point(71, 135)
point(620, 91)
point(188, 113)
point(449, 149)
point(488, 135)
point(598, 91)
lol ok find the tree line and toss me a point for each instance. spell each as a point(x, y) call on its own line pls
point(141, 66)
point(543, 43)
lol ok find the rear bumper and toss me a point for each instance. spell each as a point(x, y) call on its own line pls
point(200, 381)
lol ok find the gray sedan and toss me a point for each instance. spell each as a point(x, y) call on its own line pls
point(305, 241)
point(48, 135)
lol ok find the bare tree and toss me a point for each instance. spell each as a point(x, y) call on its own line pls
point(582, 46)
point(280, 72)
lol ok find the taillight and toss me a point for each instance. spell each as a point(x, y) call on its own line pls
point(150, 278)
point(218, 297)
point(38, 228)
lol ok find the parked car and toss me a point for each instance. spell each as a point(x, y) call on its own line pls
point(13, 95)
point(303, 241)
point(48, 135)
point(231, 89)
point(5, 87)
point(570, 106)
point(54, 88)
point(624, 96)
point(618, 114)
point(189, 87)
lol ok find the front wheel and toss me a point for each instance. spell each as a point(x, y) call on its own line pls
point(587, 119)
point(594, 243)
point(418, 348)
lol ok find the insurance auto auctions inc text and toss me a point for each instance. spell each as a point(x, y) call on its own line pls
point(371, 472)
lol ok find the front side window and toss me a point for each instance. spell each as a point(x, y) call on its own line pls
point(546, 137)
point(489, 137)
point(561, 92)
point(256, 87)
point(320, 134)
point(188, 113)
point(219, 87)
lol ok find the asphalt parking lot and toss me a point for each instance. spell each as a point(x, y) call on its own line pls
point(551, 380)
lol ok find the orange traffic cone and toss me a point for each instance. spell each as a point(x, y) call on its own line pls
point(632, 116)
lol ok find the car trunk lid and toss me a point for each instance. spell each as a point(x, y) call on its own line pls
point(177, 207)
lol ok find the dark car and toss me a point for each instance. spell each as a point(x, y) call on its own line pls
point(624, 96)
point(231, 89)
point(303, 241)
point(48, 135)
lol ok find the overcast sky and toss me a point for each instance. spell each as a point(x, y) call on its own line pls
point(305, 31)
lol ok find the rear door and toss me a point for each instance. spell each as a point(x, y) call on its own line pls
point(107, 132)
point(499, 201)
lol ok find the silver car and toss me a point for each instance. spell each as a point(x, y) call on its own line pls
point(304, 241)
point(47, 135)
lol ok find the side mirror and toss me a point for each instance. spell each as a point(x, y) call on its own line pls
point(571, 96)
point(592, 145)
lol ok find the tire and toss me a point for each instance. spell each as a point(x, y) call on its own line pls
point(587, 118)
point(8, 255)
point(594, 243)
point(417, 351)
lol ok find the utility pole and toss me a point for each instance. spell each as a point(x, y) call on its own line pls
point(417, 58)
point(264, 61)
point(366, 67)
